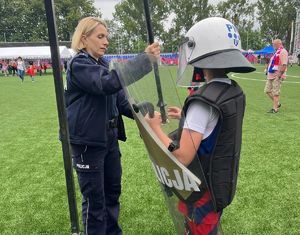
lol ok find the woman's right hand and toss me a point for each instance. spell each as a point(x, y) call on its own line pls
point(155, 121)
point(174, 112)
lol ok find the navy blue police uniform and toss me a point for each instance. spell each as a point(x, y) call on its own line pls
point(95, 102)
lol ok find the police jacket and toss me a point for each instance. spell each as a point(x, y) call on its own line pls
point(220, 161)
point(94, 96)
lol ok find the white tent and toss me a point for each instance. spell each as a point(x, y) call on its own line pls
point(72, 52)
point(41, 52)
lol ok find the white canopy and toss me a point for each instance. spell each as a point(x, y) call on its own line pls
point(41, 52)
point(72, 52)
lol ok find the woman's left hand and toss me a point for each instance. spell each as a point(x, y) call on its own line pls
point(153, 50)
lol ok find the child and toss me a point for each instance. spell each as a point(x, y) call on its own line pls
point(5, 68)
point(30, 70)
point(211, 120)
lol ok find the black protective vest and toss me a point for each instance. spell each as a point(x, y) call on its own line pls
point(221, 167)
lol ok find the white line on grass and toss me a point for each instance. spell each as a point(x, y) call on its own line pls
point(286, 75)
point(260, 80)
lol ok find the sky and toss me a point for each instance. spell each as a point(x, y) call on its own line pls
point(107, 7)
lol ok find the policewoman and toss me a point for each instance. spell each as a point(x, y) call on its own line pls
point(95, 101)
point(212, 120)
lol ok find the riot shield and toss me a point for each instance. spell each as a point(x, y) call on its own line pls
point(182, 186)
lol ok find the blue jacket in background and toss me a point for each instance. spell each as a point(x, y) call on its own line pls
point(94, 95)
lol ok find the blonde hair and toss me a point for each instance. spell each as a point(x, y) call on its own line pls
point(85, 27)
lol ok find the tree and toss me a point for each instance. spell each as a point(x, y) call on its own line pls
point(131, 23)
point(69, 12)
point(275, 18)
point(187, 13)
point(184, 14)
point(11, 20)
point(34, 25)
point(25, 20)
point(181, 15)
point(241, 14)
point(252, 39)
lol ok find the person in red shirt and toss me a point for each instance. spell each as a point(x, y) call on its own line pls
point(45, 68)
point(30, 71)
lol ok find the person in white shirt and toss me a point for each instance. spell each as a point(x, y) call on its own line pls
point(21, 68)
point(211, 133)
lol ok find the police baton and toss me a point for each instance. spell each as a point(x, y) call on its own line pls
point(63, 126)
point(160, 103)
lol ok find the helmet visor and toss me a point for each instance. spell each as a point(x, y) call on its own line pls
point(188, 75)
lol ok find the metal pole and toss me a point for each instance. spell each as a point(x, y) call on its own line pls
point(63, 125)
point(292, 37)
point(247, 41)
point(160, 103)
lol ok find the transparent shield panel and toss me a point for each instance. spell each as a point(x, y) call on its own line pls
point(150, 94)
point(132, 69)
point(184, 187)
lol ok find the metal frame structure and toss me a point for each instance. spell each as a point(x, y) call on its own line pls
point(63, 125)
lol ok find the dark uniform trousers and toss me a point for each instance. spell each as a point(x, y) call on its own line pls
point(99, 174)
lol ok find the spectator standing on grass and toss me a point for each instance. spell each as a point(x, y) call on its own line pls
point(276, 73)
point(95, 101)
point(5, 68)
point(45, 68)
point(10, 67)
point(291, 60)
point(21, 68)
point(39, 69)
point(259, 59)
point(14, 67)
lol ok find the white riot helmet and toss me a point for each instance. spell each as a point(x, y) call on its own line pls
point(212, 43)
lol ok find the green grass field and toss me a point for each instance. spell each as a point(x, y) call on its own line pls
point(33, 197)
